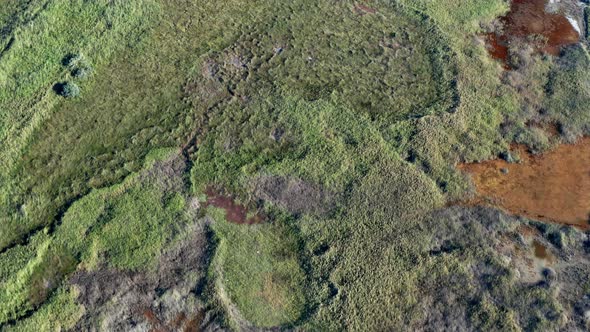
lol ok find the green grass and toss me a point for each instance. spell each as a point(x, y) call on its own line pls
point(17, 258)
point(130, 223)
point(259, 269)
point(61, 312)
point(30, 68)
point(33, 63)
point(376, 108)
point(71, 146)
point(568, 94)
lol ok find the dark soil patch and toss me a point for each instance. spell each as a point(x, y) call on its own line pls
point(498, 48)
point(167, 299)
point(234, 212)
point(528, 21)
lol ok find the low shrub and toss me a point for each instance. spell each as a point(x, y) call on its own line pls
point(72, 60)
point(78, 65)
point(82, 72)
point(67, 89)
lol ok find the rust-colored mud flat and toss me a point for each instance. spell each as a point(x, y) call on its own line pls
point(498, 48)
point(528, 18)
point(554, 186)
point(234, 212)
point(541, 252)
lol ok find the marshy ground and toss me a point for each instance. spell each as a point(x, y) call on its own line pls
point(294, 165)
point(542, 23)
point(553, 186)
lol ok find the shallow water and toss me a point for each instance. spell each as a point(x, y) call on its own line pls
point(526, 19)
point(553, 187)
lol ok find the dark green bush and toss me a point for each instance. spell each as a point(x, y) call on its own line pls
point(78, 65)
point(81, 72)
point(68, 90)
point(557, 238)
point(71, 60)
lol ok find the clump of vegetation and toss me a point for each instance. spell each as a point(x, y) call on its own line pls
point(510, 157)
point(81, 73)
point(72, 60)
point(78, 65)
point(68, 89)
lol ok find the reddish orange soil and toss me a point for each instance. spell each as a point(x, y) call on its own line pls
point(234, 212)
point(529, 18)
point(180, 323)
point(498, 48)
point(553, 187)
point(540, 250)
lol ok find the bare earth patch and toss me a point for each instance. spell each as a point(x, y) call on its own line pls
point(166, 299)
point(167, 174)
point(234, 212)
point(554, 186)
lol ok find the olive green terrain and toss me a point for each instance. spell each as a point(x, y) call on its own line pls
point(368, 105)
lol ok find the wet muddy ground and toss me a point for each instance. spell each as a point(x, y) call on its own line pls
point(529, 22)
point(234, 212)
point(540, 250)
point(554, 186)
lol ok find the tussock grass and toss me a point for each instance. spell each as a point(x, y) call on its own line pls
point(374, 104)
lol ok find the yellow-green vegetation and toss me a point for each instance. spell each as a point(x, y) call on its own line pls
point(130, 223)
point(370, 103)
point(258, 268)
point(60, 313)
point(32, 63)
point(568, 95)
